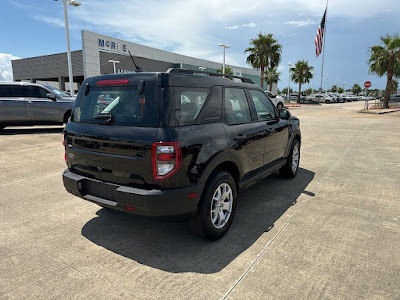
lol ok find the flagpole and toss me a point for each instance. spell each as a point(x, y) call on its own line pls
point(323, 47)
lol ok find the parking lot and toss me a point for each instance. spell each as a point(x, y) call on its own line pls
point(333, 232)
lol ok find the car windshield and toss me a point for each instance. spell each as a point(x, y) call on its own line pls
point(57, 91)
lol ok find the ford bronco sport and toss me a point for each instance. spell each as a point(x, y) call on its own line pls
point(176, 144)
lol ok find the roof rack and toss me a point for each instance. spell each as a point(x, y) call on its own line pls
point(191, 72)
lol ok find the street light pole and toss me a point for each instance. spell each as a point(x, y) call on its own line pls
point(344, 84)
point(223, 65)
point(114, 62)
point(71, 78)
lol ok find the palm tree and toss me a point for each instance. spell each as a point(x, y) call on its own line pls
point(356, 89)
point(385, 59)
point(301, 73)
point(264, 52)
point(228, 70)
point(272, 76)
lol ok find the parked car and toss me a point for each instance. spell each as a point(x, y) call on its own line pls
point(321, 98)
point(276, 99)
point(175, 143)
point(24, 103)
point(395, 98)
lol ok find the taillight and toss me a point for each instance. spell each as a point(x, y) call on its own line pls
point(167, 159)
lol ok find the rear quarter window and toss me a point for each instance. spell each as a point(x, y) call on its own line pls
point(188, 104)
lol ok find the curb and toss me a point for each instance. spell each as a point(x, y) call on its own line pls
point(377, 112)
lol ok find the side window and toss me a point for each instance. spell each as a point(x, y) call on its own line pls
point(36, 92)
point(10, 91)
point(264, 107)
point(189, 102)
point(236, 106)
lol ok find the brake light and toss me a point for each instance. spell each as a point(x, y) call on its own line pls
point(112, 81)
point(166, 159)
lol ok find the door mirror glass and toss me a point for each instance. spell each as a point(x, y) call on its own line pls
point(284, 114)
point(51, 96)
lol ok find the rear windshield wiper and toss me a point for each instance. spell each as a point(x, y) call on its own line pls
point(108, 117)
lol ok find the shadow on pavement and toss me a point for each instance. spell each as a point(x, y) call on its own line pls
point(31, 130)
point(172, 247)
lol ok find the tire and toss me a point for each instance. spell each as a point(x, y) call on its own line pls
point(292, 165)
point(66, 117)
point(279, 106)
point(327, 101)
point(211, 225)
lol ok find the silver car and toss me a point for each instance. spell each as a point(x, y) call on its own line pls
point(23, 103)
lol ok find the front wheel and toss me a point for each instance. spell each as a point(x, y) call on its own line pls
point(292, 165)
point(327, 101)
point(216, 208)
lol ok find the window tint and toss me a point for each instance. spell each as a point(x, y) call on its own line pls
point(122, 104)
point(10, 91)
point(236, 106)
point(264, 107)
point(35, 92)
point(189, 102)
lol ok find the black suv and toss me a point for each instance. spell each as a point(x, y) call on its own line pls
point(176, 144)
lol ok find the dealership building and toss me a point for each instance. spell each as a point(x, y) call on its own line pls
point(98, 50)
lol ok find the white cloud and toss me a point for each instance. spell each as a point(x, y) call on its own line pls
point(234, 27)
point(5, 66)
point(51, 21)
point(302, 23)
point(196, 27)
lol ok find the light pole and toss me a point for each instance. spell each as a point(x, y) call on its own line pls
point(71, 78)
point(114, 62)
point(327, 81)
point(344, 84)
point(288, 91)
point(223, 65)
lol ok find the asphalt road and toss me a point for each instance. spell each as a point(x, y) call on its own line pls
point(333, 232)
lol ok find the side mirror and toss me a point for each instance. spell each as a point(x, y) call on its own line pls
point(51, 96)
point(140, 88)
point(273, 96)
point(284, 114)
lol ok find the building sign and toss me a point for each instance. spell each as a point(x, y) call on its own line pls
point(108, 45)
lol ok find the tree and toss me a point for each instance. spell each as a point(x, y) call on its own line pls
point(308, 91)
point(356, 89)
point(333, 89)
point(395, 86)
point(385, 59)
point(301, 73)
point(228, 70)
point(284, 91)
point(264, 52)
point(340, 90)
point(272, 76)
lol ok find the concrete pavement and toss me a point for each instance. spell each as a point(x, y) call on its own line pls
point(333, 232)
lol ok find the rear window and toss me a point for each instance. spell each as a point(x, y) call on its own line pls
point(117, 105)
point(189, 102)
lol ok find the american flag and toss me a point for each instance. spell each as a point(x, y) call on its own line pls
point(320, 36)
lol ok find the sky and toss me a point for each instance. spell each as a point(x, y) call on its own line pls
point(196, 27)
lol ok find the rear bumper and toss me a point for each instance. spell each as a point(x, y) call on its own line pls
point(152, 203)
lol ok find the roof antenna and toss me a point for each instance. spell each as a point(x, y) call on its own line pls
point(138, 69)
